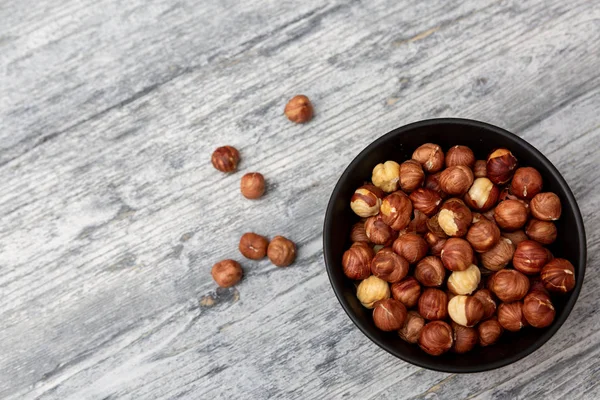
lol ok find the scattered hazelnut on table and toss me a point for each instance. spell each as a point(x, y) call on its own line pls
point(546, 206)
point(252, 185)
point(411, 175)
point(430, 156)
point(460, 155)
point(538, 309)
point(483, 235)
point(411, 247)
point(436, 338)
point(510, 316)
point(253, 246)
point(378, 231)
point(366, 200)
point(281, 251)
point(480, 170)
point(413, 325)
point(389, 266)
point(433, 304)
point(489, 331)
point(426, 201)
point(430, 272)
point(464, 282)
point(389, 315)
point(526, 183)
point(465, 310)
point(515, 237)
point(465, 338)
point(530, 257)
point(227, 273)
point(371, 290)
point(482, 195)
point(454, 218)
point(299, 109)
point(358, 233)
point(558, 276)
point(510, 215)
point(407, 291)
point(456, 180)
point(509, 285)
point(396, 210)
point(225, 158)
point(386, 176)
point(500, 166)
point(356, 261)
point(457, 254)
point(499, 256)
point(487, 300)
point(544, 232)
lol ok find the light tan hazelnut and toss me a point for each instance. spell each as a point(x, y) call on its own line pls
point(499, 256)
point(460, 155)
point(464, 282)
point(396, 210)
point(465, 310)
point(411, 330)
point(430, 156)
point(411, 175)
point(482, 195)
point(371, 290)
point(366, 200)
point(546, 206)
point(386, 176)
point(456, 180)
point(454, 218)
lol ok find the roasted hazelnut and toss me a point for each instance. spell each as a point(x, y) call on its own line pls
point(538, 309)
point(482, 195)
point(225, 158)
point(411, 246)
point(486, 299)
point(430, 156)
point(356, 261)
point(457, 254)
point(480, 169)
point(489, 332)
point(411, 330)
point(436, 243)
point(456, 180)
point(546, 206)
point(500, 166)
point(389, 266)
point(418, 223)
point(432, 182)
point(454, 218)
point(530, 257)
point(407, 291)
point(465, 310)
point(366, 200)
point(299, 109)
point(281, 251)
point(227, 273)
point(378, 232)
point(433, 304)
point(509, 285)
point(510, 316)
point(358, 233)
point(483, 235)
point(436, 338)
point(389, 315)
point(515, 237)
point(510, 215)
point(371, 290)
point(543, 232)
point(526, 183)
point(460, 155)
point(396, 210)
point(252, 185)
point(426, 200)
point(465, 338)
point(558, 276)
point(499, 256)
point(464, 282)
point(386, 176)
point(411, 175)
point(433, 225)
point(430, 272)
point(253, 246)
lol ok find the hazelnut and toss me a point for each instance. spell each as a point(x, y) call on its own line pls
point(515, 237)
point(433, 304)
point(426, 200)
point(464, 282)
point(510, 215)
point(538, 309)
point(411, 330)
point(456, 180)
point(486, 299)
point(396, 210)
point(457, 254)
point(526, 183)
point(465, 310)
point(371, 290)
point(356, 261)
point(418, 223)
point(436, 243)
point(378, 232)
point(480, 170)
point(433, 225)
point(489, 332)
point(543, 232)
point(499, 256)
point(482, 195)
point(436, 338)
point(483, 235)
point(546, 206)
point(536, 285)
point(530, 257)
point(225, 158)
point(430, 156)
point(358, 233)
point(411, 246)
point(558, 276)
point(510, 316)
point(407, 291)
point(389, 315)
point(299, 109)
point(226, 273)
point(500, 166)
point(465, 338)
point(366, 200)
point(377, 248)
point(460, 155)
point(430, 271)
point(411, 175)
point(386, 176)
point(389, 266)
point(433, 182)
point(252, 185)
point(454, 218)
point(253, 246)
point(281, 251)
point(509, 285)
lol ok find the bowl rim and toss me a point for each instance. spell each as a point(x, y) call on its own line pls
point(432, 365)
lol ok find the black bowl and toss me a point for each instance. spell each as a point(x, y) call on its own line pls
point(482, 138)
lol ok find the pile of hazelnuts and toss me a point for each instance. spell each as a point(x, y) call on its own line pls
point(450, 250)
point(280, 250)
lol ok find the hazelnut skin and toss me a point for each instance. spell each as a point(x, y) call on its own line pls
point(389, 315)
point(433, 182)
point(530, 257)
point(526, 183)
point(299, 109)
point(488, 302)
point(396, 210)
point(499, 256)
point(457, 254)
point(281, 251)
point(433, 304)
point(436, 338)
point(489, 332)
point(371, 290)
point(356, 261)
point(389, 266)
point(253, 246)
point(411, 247)
point(430, 272)
point(483, 235)
point(378, 232)
point(538, 309)
point(515, 237)
point(454, 218)
point(430, 156)
point(460, 155)
point(225, 158)
point(227, 273)
point(464, 282)
point(386, 176)
point(411, 175)
point(546, 206)
point(426, 200)
point(558, 276)
point(465, 310)
point(509, 285)
point(510, 215)
point(456, 180)
point(544, 232)
point(358, 233)
point(482, 195)
point(252, 185)
point(436, 243)
point(407, 291)
point(413, 325)
point(465, 338)
point(418, 223)
point(433, 226)
point(510, 316)
point(500, 166)
point(480, 170)
point(366, 200)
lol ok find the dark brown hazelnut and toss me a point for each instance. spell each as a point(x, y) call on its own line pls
point(253, 246)
point(366, 200)
point(407, 291)
point(457, 254)
point(411, 330)
point(389, 266)
point(396, 210)
point(510, 316)
point(546, 206)
point(489, 332)
point(530, 257)
point(509, 285)
point(500, 166)
point(227, 273)
point(454, 218)
point(464, 282)
point(483, 235)
point(430, 156)
point(378, 231)
point(510, 215)
point(426, 200)
point(526, 183)
point(433, 304)
point(389, 315)
point(460, 155)
point(465, 310)
point(281, 251)
point(299, 109)
point(386, 176)
point(482, 195)
point(488, 302)
point(515, 237)
point(411, 175)
point(411, 247)
point(358, 233)
point(356, 261)
point(225, 158)
point(499, 256)
point(430, 272)
point(465, 338)
point(456, 180)
point(544, 232)
point(433, 182)
point(436, 338)
point(436, 243)
point(252, 185)
point(558, 276)
point(538, 309)
point(480, 169)
point(418, 224)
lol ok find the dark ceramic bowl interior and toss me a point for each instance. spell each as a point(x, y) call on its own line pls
point(482, 138)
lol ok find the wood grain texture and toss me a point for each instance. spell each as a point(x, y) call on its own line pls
point(112, 215)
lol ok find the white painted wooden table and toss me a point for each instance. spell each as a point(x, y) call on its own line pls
point(112, 215)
